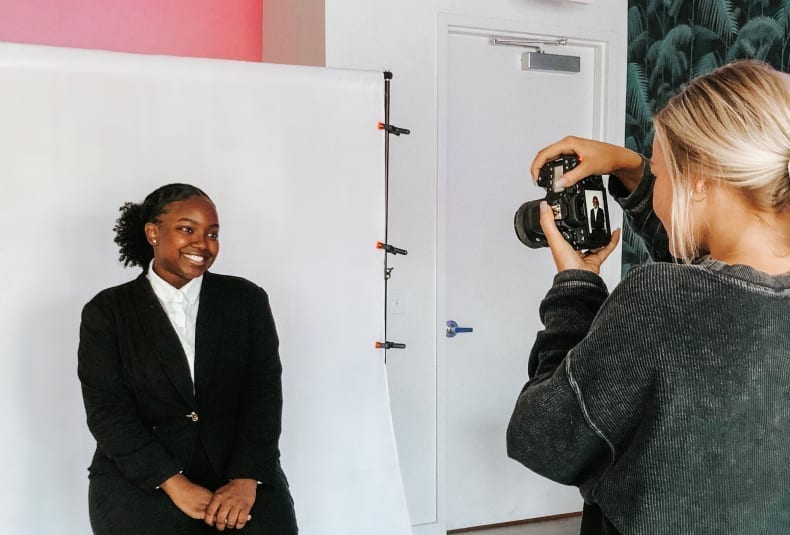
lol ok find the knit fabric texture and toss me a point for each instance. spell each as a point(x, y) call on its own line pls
point(668, 402)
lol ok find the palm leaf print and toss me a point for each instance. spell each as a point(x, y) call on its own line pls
point(756, 39)
point(637, 99)
point(670, 55)
point(718, 15)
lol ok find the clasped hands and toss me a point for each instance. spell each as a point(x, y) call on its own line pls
point(228, 507)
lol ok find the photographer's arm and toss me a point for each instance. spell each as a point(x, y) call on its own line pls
point(548, 432)
point(637, 205)
point(596, 158)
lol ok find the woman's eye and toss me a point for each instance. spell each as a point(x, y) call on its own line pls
point(213, 236)
point(185, 229)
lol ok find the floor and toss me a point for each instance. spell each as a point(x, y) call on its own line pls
point(563, 526)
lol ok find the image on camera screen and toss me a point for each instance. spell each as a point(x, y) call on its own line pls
point(597, 222)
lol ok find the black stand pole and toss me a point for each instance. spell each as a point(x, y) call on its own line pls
point(387, 270)
point(388, 248)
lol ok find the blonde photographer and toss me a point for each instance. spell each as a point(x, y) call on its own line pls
point(668, 402)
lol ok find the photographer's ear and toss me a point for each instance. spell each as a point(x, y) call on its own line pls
point(699, 190)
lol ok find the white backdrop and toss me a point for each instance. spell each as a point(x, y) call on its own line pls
point(293, 160)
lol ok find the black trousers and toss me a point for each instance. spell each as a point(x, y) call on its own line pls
point(118, 507)
point(595, 523)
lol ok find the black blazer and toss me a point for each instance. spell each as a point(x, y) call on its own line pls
point(138, 393)
point(597, 222)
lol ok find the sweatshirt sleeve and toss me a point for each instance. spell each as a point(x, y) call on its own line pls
point(638, 210)
point(548, 431)
point(595, 371)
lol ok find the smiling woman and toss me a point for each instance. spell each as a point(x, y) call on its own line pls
point(185, 239)
point(181, 449)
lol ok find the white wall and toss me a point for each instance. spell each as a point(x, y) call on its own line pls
point(402, 36)
point(293, 32)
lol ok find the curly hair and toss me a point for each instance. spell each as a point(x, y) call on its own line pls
point(130, 227)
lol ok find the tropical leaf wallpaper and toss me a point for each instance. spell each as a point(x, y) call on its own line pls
point(672, 41)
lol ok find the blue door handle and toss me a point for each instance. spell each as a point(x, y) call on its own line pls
point(453, 329)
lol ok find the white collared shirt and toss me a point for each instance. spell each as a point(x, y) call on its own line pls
point(181, 307)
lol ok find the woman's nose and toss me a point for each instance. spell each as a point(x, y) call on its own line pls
point(199, 240)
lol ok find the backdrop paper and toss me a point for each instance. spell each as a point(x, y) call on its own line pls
point(294, 162)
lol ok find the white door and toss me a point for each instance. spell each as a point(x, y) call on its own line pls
point(493, 118)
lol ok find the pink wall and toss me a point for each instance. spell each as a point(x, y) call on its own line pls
point(229, 29)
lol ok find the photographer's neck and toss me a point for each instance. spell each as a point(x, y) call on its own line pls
point(735, 233)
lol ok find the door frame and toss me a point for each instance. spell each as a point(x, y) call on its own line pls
point(609, 125)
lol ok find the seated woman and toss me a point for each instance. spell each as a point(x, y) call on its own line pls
point(181, 380)
point(668, 401)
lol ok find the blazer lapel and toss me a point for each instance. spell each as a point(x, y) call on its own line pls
point(207, 331)
point(158, 330)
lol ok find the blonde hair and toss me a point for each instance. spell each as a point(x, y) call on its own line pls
point(731, 126)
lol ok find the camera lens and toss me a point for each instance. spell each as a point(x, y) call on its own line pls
point(527, 225)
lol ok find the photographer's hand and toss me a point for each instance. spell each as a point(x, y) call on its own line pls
point(565, 256)
point(596, 158)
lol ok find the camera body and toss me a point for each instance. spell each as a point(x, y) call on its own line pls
point(581, 211)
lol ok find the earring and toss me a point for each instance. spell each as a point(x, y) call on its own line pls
point(698, 196)
point(154, 242)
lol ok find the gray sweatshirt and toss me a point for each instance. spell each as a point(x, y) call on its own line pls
point(668, 402)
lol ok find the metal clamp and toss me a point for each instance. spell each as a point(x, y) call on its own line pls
point(390, 345)
point(391, 249)
point(392, 129)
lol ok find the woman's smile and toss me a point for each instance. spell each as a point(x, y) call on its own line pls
point(185, 240)
point(196, 258)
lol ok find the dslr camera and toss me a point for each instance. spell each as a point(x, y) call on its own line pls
point(581, 211)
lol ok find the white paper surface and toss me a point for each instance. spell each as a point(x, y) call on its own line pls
point(294, 162)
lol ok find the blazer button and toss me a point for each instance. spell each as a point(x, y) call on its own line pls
point(193, 416)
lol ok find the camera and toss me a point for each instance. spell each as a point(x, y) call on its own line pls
point(581, 211)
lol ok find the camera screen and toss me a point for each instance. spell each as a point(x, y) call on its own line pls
point(558, 171)
point(596, 214)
